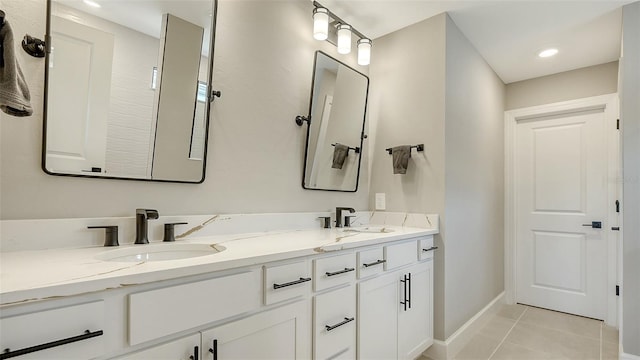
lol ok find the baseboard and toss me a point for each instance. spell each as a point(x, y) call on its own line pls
point(624, 356)
point(445, 350)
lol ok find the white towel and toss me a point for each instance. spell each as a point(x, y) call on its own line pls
point(14, 93)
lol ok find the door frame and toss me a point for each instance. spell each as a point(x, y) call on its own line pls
point(609, 103)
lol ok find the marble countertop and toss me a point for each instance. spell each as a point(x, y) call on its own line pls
point(43, 274)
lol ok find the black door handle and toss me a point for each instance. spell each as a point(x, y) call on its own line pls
point(594, 225)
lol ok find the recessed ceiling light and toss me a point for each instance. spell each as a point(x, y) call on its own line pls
point(547, 53)
point(92, 3)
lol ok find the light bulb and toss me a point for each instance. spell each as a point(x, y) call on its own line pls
point(344, 39)
point(364, 51)
point(547, 53)
point(92, 3)
point(320, 23)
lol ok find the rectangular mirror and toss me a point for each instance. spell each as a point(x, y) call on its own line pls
point(127, 89)
point(336, 123)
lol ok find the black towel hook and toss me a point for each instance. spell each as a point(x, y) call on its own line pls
point(33, 46)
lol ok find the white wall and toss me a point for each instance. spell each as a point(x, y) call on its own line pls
point(263, 66)
point(446, 96)
point(569, 85)
point(630, 126)
point(474, 176)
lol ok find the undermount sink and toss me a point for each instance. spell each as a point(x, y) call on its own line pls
point(159, 252)
point(369, 229)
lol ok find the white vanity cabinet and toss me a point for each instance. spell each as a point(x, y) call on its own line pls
point(415, 324)
point(369, 302)
point(165, 311)
point(334, 325)
point(395, 310)
point(184, 348)
point(281, 333)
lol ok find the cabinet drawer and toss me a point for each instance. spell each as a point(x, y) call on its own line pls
point(334, 325)
point(44, 327)
point(333, 271)
point(426, 248)
point(398, 255)
point(156, 313)
point(282, 282)
point(370, 262)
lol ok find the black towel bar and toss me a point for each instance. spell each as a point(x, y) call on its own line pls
point(356, 149)
point(419, 147)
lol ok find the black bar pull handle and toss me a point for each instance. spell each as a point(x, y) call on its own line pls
point(214, 349)
point(87, 335)
point(409, 299)
point(375, 263)
point(346, 321)
point(346, 270)
point(196, 353)
point(405, 302)
point(431, 248)
point(278, 286)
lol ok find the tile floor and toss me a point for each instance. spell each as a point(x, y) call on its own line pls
point(524, 332)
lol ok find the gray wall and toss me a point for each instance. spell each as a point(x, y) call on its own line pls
point(406, 106)
point(630, 119)
point(263, 66)
point(474, 175)
point(446, 96)
point(575, 84)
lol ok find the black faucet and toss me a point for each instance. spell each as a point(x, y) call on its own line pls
point(142, 215)
point(339, 214)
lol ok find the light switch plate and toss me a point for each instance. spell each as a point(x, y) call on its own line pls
point(380, 201)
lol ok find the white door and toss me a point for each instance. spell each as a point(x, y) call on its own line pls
point(560, 190)
point(79, 92)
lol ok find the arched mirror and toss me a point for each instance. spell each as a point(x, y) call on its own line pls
point(128, 89)
point(336, 123)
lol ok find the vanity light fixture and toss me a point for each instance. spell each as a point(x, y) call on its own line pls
point(154, 78)
point(320, 23)
point(327, 26)
point(92, 3)
point(364, 51)
point(344, 39)
point(547, 53)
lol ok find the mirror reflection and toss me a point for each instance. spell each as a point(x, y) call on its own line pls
point(127, 89)
point(336, 127)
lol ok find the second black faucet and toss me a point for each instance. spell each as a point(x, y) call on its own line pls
point(142, 215)
point(339, 215)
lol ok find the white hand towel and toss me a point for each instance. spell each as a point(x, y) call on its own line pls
point(14, 93)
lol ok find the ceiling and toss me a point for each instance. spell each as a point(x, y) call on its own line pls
point(509, 33)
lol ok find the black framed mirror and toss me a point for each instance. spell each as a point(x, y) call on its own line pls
point(127, 89)
point(335, 126)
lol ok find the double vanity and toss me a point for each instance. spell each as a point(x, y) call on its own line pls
point(364, 291)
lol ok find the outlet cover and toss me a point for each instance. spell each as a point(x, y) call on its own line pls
point(380, 201)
